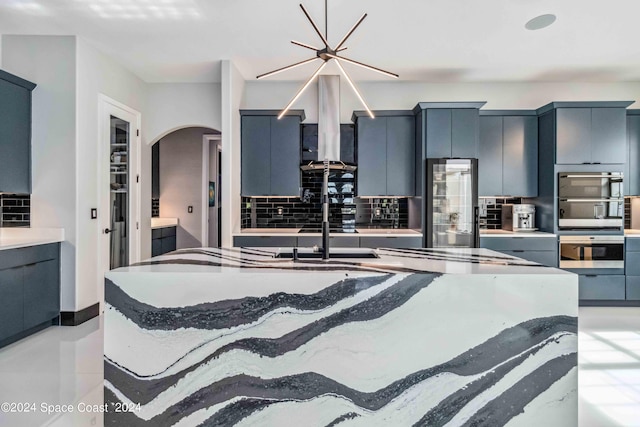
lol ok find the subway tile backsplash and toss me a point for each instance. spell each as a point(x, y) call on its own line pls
point(15, 210)
point(155, 208)
point(491, 211)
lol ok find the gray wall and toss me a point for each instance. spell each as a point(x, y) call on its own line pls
point(181, 183)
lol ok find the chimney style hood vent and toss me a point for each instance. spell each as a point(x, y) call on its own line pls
point(328, 126)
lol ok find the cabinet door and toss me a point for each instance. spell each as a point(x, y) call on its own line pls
point(633, 288)
point(632, 176)
point(490, 156)
point(601, 287)
point(372, 156)
point(520, 159)
point(15, 138)
point(285, 156)
point(548, 258)
point(390, 242)
point(41, 292)
point(11, 302)
point(264, 241)
point(156, 247)
point(438, 143)
point(573, 135)
point(400, 151)
point(608, 135)
point(464, 133)
point(256, 155)
point(167, 244)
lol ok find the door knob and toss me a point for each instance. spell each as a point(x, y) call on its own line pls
point(107, 231)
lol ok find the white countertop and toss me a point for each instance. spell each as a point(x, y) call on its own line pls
point(163, 222)
point(632, 233)
point(369, 232)
point(12, 238)
point(505, 233)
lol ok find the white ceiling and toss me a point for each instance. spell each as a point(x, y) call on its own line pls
point(422, 40)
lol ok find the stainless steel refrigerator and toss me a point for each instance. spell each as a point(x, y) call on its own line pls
point(452, 215)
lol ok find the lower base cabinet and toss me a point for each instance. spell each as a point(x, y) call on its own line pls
point(633, 288)
point(351, 241)
point(391, 242)
point(541, 257)
point(29, 290)
point(163, 240)
point(543, 250)
point(601, 287)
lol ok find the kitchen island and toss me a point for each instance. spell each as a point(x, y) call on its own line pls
point(428, 337)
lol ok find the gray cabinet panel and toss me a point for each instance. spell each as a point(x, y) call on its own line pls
point(11, 302)
point(264, 241)
point(632, 244)
point(15, 138)
point(632, 263)
point(520, 155)
point(256, 155)
point(399, 152)
point(156, 247)
point(608, 135)
point(285, 156)
point(168, 244)
point(438, 141)
point(464, 133)
point(632, 172)
point(519, 243)
point(633, 288)
point(168, 231)
point(390, 242)
point(334, 241)
point(372, 161)
point(601, 287)
point(41, 292)
point(548, 258)
point(419, 152)
point(573, 135)
point(490, 156)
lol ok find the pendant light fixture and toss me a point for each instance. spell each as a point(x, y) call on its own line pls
point(326, 54)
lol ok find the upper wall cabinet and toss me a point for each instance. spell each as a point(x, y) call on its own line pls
point(451, 129)
point(386, 153)
point(632, 168)
point(589, 132)
point(270, 153)
point(508, 154)
point(15, 134)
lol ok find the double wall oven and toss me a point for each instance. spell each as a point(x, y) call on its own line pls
point(601, 254)
point(590, 201)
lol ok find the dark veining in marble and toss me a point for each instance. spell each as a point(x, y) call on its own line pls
point(232, 414)
point(431, 254)
point(511, 403)
point(341, 418)
point(230, 313)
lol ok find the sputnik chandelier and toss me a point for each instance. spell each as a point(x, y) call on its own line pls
point(327, 54)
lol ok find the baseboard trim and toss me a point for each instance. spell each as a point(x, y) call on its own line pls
point(609, 303)
point(75, 318)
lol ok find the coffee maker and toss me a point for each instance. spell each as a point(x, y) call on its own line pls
point(519, 217)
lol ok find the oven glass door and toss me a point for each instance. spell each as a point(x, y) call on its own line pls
point(590, 185)
point(591, 254)
point(590, 200)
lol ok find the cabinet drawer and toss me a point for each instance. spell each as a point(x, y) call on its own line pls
point(633, 288)
point(334, 241)
point(390, 242)
point(156, 233)
point(602, 287)
point(632, 244)
point(264, 241)
point(631, 263)
point(22, 256)
point(519, 243)
point(548, 258)
point(168, 231)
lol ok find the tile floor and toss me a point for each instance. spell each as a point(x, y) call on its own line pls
point(63, 365)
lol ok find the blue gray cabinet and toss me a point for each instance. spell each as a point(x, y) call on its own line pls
point(590, 133)
point(386, 150)
point(270, 152)
point(632, 167)
point(265, 241)
point(163, 240)
point(601, 287)
point(632, 268)
point(29, 290)
point(15, 134)
point(344, 241)
point(508, 155)
point(390, 242)
point(543, 250)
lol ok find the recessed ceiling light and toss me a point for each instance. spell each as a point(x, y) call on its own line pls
point(540, 22)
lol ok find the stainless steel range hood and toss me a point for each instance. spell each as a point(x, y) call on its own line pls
point(328, 126)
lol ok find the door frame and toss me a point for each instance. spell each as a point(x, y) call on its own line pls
point(106, 108)
point(206, 140)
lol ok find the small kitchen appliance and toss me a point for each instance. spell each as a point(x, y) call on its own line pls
point(521, 217)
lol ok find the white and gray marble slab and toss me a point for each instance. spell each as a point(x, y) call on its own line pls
point(416, 337)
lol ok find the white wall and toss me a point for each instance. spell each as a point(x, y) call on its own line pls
point(98, 74)
point(405, 95)
point(181, 183)
point(50, 62)
point(233, 88)
point(173, 106)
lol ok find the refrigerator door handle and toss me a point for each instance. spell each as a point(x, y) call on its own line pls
point(476, 226)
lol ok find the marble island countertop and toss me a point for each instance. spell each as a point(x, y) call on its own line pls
point(236, 337)
point(373, 232)
point(12, 238)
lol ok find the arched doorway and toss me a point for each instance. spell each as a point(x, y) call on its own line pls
point(185, 168)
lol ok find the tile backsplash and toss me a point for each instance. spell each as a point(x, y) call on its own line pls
point(491, 211)
point(15, 210)
point(155, 208)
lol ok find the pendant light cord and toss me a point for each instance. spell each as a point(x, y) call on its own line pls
point(326, 21)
